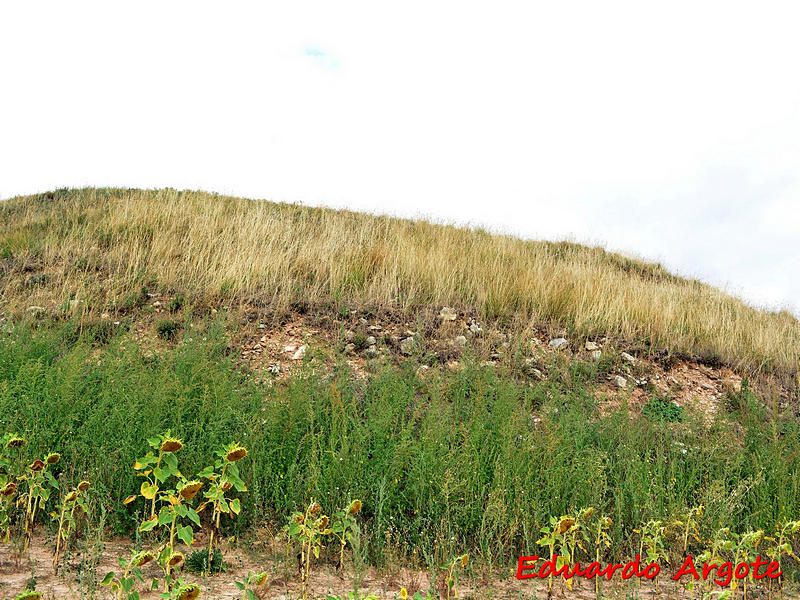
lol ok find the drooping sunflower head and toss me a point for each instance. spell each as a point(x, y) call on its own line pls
point(171, 444)
point(260, 578)
point(226, 486)
point(8, 489)
point(175, 559)
point(36, 465)
point(142, 558)
point(323, 522)
point(190, 591)
point(72, 496)
point(52, 458)
point(235, 453)
point(83, 486)
point(565, 524)
point(464, 560)
point(314, 509)
point(355, 507)
point(15, 442)
point(190, 489)
point(298, 518)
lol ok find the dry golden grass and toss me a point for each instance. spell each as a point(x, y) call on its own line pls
point(100, 245)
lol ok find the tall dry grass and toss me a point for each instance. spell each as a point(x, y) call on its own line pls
point(98, 245)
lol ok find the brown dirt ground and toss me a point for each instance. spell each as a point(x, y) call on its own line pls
point(79, 571)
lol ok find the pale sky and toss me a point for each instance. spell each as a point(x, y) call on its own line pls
point(669, 131)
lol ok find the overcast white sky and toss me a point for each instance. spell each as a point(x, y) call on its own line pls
point(666, 130)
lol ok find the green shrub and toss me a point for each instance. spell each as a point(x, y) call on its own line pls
point(197, 562)
point(663, 410)
point(167, 328)
point(176, 303)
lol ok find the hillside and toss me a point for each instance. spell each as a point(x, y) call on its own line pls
point(99, 247)
point(470, 390)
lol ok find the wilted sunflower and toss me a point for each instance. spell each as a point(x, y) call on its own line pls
point(323, 522)
point(465, 560)
point(36, 465)
point(314, 509)
point(190, 489)
point(142, 558)
point(298, 518)
point(8, 489)
point(52, 458)
point(83, 486)
point(170, 444)
point(587, 513)
point(175, 559)
point(72, 496)
point(226, 486)
point(235, 453)
point(15, 442)
point(355, 507)
point(188, 592)
point(565, 524)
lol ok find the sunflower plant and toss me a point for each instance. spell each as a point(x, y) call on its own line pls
point(651, 545)
point(781, 544)
point(123, 583)
point(246, 584)
point(176, 516)
point(166, 487)
point(38, 482)
point(722, 544)
point(157, 467)
point(10, 469)
point(74, 500)
point(223, 476)
point(451, 580)
point(564, 533)
point(746, 550)
point(345, 527)
point(309, 528)
point(182, 591)
point(602, 540)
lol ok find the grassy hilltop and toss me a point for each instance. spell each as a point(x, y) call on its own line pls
point(102, 245)
point(124, 313)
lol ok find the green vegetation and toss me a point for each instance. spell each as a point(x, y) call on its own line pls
point(663, 410)
point(448, 463)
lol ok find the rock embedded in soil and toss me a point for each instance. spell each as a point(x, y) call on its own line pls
point(460, 341)
point(591, 346)
point(628, 357)
point(447, 314)
point(301, 352)
point(407, 346)
point(596, 354)
point(558, 343)
point(621, 382)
